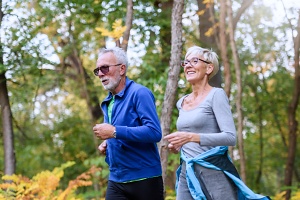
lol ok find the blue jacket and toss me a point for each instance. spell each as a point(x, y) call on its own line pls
point(133, 154)
point(217, 159)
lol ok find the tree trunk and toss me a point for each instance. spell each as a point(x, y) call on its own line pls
point(261, 148)
point(8, 135)
point(172, 82)
point(90, 97)
point(223, 38)
point(86, 85)
point(292, 120)
point(6, 115)
point(129, 18)
point(206, 24)
point(165, 31)
point(223, 47)
point(239, 92)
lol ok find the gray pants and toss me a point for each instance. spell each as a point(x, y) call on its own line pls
point(216, 183)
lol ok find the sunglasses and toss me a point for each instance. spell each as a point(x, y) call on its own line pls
point(104, 69)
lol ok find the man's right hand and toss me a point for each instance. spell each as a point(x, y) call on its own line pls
point(102, 147)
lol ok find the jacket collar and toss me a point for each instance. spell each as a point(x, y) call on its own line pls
point(121, 93)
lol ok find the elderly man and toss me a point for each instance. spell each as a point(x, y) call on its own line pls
point(130, 132)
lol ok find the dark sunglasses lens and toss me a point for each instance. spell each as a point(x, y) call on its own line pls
point(96, 71)
point(104, 69)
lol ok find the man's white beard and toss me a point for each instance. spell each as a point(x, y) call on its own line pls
point(113, 84)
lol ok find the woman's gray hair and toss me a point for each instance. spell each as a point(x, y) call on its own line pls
point(208, 55)
point(118, 52)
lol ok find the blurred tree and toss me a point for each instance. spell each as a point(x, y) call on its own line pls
point(128, 24)
point(292, 110)
point(238, 74)
point(172, 82)
point(6, 114)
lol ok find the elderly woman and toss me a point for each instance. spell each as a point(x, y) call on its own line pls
point(205, 130)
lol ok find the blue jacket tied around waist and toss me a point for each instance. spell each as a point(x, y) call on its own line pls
point(217, 159)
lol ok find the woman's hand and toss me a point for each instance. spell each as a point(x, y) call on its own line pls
point(173, 149)
point(177, 139)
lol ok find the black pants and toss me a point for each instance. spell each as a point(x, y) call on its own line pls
point(148, 189)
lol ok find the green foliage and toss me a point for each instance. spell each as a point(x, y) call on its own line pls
point(267, 87)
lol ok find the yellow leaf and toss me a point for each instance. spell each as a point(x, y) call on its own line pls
point(209, 32)
point(279, 196)
point(296, 196)
point(208, 1)
point(117, 30)
point(201, 12)
point(13, 178)
point(103, 31)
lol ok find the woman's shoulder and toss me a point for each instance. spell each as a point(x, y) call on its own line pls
point(218, 95)
point(180, 100)
point(218, 91)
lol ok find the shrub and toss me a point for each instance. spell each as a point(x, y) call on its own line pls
point(45, 185)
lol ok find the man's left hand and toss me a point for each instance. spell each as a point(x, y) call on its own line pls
point(104, 131)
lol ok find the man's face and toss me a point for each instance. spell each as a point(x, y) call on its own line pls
point(111, 79)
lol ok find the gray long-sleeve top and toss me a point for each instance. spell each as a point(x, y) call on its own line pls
point(211, 119)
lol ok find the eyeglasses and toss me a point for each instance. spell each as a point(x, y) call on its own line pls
point(194, 61)
point(104, 69)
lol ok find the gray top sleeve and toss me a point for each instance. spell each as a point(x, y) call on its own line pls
point(211, 119)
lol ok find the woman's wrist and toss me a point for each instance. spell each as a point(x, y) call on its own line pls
point(195, 137)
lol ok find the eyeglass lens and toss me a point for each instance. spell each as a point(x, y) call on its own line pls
point(104, 69)
point(193, 62)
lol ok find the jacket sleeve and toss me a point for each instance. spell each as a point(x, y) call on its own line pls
point(149, 129)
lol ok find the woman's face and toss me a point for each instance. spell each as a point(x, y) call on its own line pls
point(195, 69)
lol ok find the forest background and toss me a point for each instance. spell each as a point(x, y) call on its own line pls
point(50, 98)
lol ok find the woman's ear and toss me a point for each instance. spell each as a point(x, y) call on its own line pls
point(209, 69)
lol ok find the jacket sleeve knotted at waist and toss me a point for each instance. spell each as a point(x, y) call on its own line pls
point(216, 159)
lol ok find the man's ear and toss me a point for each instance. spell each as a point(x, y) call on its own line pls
point(123, 69)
